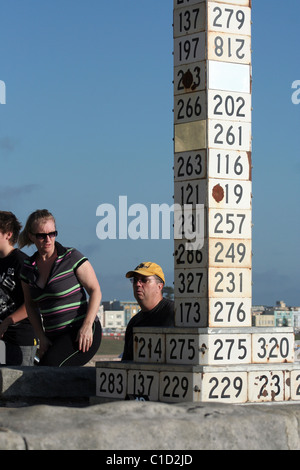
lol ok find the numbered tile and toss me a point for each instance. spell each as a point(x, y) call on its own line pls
point(182, 349)
point(229, 106)
point(189, 78)
point(226, 387)
point(230, 253)
point(191, 312)
point(190, 192)
point(179, 387)
point(225, 349)
point(226, 48)
point(266, 386)
point(143, 385)
point(189, 49)
point(189, 19)
point(187, 255)
point(236, 224)
point(190, 283)
point(149, 347)
point(190, 225)
point(187, 3)
point(229, 164)
point(224, 194)
point(190, 107)
point(229, 135)
point(229, 282)
point(190, 165)
point(273, 348)
point(233, 19)
point(294, 383)
point(111, 383)
point(234, 312)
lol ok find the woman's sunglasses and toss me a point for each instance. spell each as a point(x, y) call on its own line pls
point(43, 236)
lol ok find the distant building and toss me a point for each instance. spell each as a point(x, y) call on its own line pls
point(296, 312)
point(112, 305)
point(131, 308)
point(115, 314)
point(278, 316)
point(114, 319)
point(263, 319)
point(284, 316)
point(101, 315)
point(260, 317)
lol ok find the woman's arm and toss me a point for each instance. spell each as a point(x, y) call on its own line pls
point(87, 278)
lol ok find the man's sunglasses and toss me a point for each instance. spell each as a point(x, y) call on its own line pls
point(43, 236)
point(145, 280)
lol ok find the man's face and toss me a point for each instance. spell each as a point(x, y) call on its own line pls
point(146, 289)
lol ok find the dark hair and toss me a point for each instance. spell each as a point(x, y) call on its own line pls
point(39, 215)
point(10, 223)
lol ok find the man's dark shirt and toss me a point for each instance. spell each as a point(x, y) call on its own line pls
point(161, 315)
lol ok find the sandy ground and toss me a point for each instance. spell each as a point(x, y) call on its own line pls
point(99, 357)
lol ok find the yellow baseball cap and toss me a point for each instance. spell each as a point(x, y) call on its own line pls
point(147, 269)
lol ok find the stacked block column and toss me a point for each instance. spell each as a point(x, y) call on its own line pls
point(213, 353)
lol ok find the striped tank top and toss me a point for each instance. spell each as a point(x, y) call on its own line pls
point(62, 303)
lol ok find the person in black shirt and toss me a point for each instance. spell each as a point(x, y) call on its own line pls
point(148, 281)
point(15, 329)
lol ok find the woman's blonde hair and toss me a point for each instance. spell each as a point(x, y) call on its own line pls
point(39, 215)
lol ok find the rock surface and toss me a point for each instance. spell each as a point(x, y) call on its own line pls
point(150, 426)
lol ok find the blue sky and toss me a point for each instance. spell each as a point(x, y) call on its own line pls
point(88, 118)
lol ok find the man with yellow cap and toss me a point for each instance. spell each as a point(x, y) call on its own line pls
point(148, 281)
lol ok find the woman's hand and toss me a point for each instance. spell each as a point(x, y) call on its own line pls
point(85, 338)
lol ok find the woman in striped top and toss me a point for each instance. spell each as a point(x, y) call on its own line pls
point(55, 281)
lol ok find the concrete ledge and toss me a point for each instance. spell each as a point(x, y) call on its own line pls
point(42, 384)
